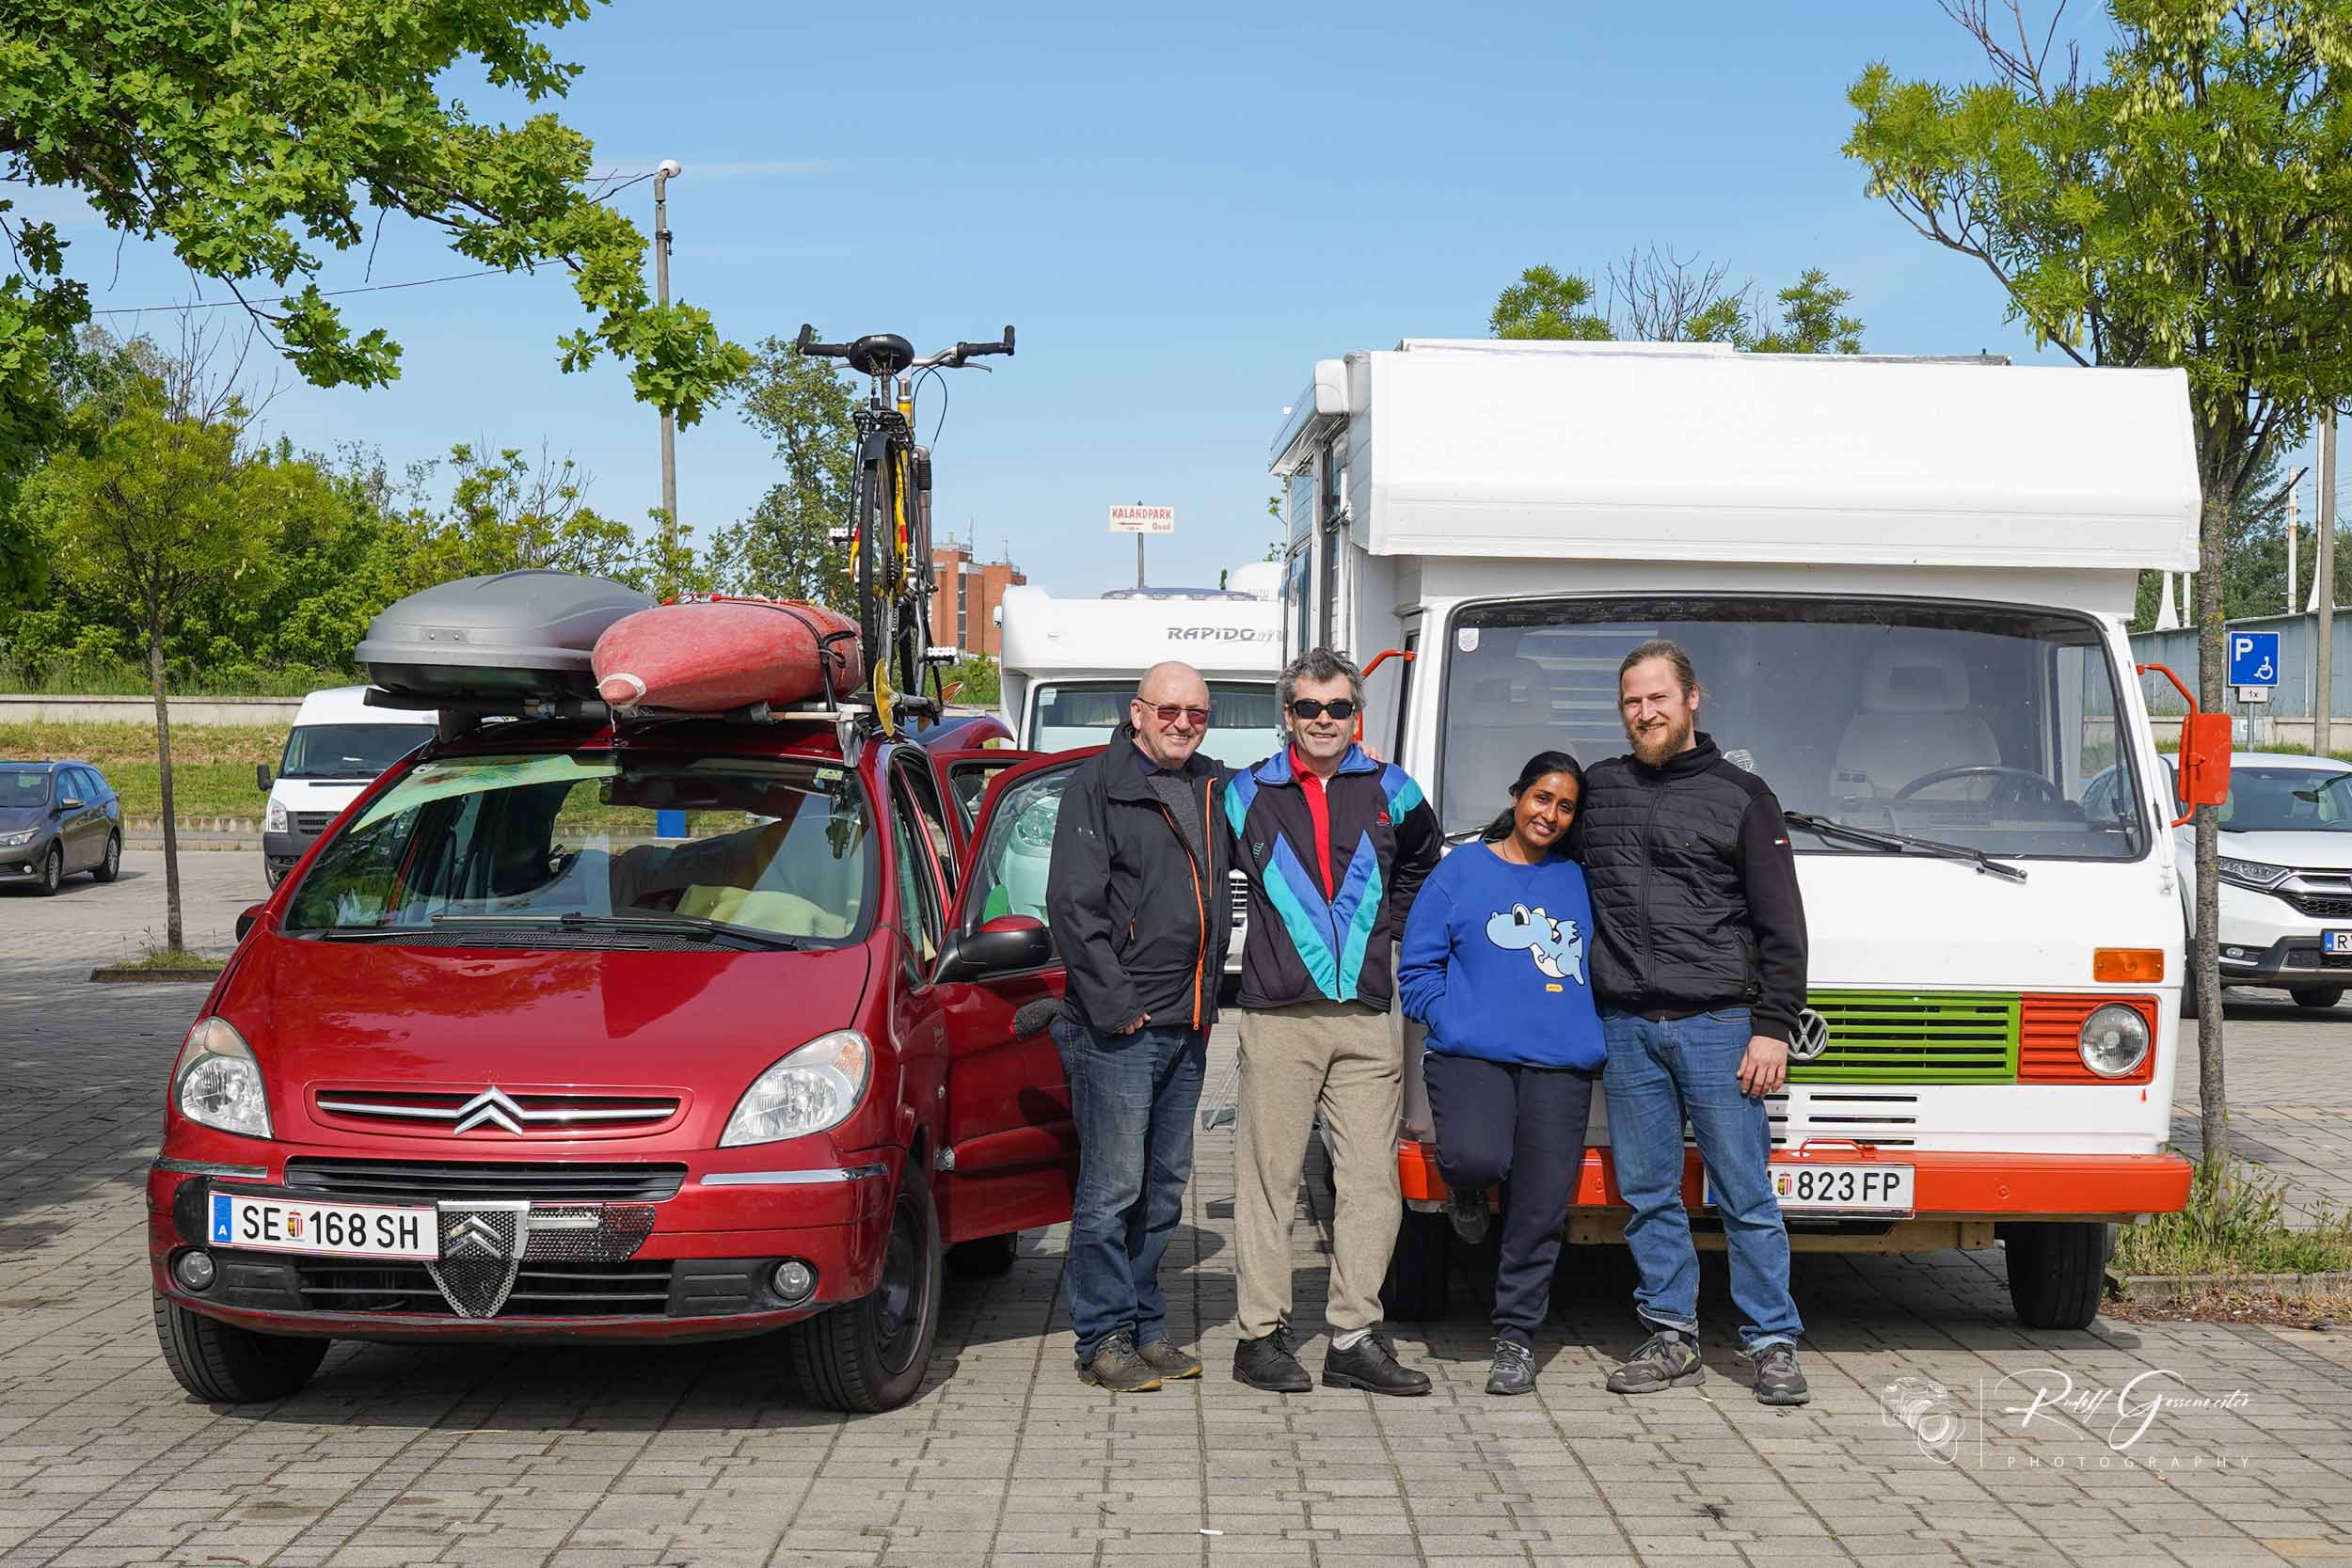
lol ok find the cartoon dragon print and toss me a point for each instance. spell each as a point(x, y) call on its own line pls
point(1556, 946)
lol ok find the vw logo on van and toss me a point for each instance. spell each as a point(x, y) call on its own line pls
point(1810, 1038)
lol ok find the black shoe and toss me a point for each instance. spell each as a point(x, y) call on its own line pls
point(1666, 1361)
point(1468, 1211)
point(1115, 1366)
point(1372, 1366)
point(1778, 1380)
point(1515, 1369)
point(1271, 1362)
point(1170, 1361)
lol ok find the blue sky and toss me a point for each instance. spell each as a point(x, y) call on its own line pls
point(1180, 217)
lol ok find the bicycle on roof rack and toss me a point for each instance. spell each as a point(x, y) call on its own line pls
point(890, 518)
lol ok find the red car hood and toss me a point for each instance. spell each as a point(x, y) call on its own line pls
point(325, 1015)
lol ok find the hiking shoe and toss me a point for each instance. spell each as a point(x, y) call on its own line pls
point(1664, 1360)
point(1468, 1211)
point(1271, 1362)
point(1372, 1366)
point(1115, 1366)
point(1778, 1379)
point(1515, 1369)
point(1166, 1359)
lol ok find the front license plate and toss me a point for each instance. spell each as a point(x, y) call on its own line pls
point(1826, 1188)
point(328, 1230)
point(2338, 941)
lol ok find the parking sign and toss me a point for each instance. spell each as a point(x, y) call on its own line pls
point(2253, 659)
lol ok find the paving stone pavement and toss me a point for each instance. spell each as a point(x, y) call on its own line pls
point(572, 1458)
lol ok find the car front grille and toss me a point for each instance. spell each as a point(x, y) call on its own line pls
point(310, 823)
point(2321, 906)
point(1914, 1037)
point(496, 1112)
point(432, 1180)
point(542, 1290)
point(1862, 1115)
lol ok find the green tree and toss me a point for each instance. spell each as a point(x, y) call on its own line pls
point(2191, 205)
point(1547, 302)
point(258, 140)
point(506, 513)
point(1658, 295)
point(785, 548)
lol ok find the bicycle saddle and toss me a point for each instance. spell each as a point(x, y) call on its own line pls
point(880, 354)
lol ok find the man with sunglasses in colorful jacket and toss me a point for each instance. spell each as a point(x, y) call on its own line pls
point(1334, 844)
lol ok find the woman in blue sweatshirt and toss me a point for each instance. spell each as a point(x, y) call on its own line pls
point(1494, 964)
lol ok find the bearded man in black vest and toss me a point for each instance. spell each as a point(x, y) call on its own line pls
point(1699, 966)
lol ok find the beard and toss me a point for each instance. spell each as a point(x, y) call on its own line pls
point(1652, 747)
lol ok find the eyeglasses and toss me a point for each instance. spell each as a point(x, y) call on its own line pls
point(1307, 707)
point(1168, 711)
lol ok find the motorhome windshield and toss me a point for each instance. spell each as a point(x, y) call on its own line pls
point(586, 849)
point(348, 751)
point(1242, 723)
point(1975, 725)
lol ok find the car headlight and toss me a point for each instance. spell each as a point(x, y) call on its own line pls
point(277, 816)
point(9, 841)
point(2114, 1040)
point(813, 1088)
point(218, 1083)
point(2253, 873)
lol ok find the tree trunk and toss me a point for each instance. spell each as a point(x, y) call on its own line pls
point(2205, 953)
point(174, 936)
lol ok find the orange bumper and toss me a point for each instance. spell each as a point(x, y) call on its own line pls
point(1950, 1185)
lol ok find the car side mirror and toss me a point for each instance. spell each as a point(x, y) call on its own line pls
point(249, 917)
point(1005, 945)
point(72, 802)
point(261, 777)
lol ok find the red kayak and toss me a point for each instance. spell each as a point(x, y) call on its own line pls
point(708, 655)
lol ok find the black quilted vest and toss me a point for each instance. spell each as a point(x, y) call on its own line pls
point(1661, 852)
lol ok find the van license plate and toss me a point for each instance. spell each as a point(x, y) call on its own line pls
point(326, 1230)
point(2338, 941)
point(1826, 1188)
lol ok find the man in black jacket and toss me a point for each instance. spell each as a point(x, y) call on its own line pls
point(1699, 966)
point(1136, 899)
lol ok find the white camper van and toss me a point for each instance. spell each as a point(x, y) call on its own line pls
point(337, 748)
point(1905, 586)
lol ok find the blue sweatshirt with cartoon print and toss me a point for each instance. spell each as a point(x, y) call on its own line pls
point(1494, 960)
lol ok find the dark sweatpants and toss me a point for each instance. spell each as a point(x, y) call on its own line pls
point(1523, 1127)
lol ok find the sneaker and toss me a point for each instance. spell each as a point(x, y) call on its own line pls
point(1271, 1362)
point(1468, 1211)
point(1372, 1366)
point(1115, 1366)
point(1778, 1379)
point(1515, 1369)
point(1169, 1360)
point(1664, 1360)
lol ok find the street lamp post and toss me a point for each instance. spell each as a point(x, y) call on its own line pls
point(669, 170)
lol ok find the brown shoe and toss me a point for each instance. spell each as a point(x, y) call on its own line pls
point(1166, 1357)
point(1115, 1366)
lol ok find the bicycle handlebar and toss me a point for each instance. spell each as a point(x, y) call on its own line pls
point(807, 345)
point(961, 352)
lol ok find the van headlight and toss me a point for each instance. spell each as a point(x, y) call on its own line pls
point(277, 823)
point(813, 1088)
point(217, 1082)
point(2114, 1041)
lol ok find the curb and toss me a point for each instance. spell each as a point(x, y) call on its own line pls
point(189, 844)
point(2160, 1290)
point(126, 975)
point(152, 827)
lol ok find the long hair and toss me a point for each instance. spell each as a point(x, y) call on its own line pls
point(1534, 767)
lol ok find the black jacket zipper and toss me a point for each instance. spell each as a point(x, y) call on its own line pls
point(1658, 798)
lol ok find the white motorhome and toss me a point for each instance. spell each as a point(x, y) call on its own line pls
point(338, 746)
point(1905, 585)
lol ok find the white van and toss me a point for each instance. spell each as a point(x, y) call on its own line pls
point(1905, 586)
point(338, 746)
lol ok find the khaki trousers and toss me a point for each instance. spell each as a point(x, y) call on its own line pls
point(1341, 1059)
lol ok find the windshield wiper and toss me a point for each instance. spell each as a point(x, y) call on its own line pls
point(666, 925)
point(1897, 844)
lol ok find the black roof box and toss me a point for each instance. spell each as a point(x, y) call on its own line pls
point(514, 634)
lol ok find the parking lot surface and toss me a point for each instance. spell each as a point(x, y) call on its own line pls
point(1939, 1431)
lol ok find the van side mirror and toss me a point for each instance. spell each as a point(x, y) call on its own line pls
point(1005, 945)
point(261, 777)
point(249, 917)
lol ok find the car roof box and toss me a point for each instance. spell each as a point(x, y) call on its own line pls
point(513, 634)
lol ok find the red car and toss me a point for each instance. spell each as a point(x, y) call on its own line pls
point(686, 1030)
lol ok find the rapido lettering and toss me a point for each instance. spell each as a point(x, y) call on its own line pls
point(1219, 634)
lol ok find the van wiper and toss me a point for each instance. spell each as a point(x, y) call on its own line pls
point(664, 925)
point(1897, 844)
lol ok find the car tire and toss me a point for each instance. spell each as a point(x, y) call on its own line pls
point(111, 867)
point(1415, 1289)
point(870, 1354)
point(222, 1364)
point(2318, 998)
point(52, 872)
point(2057, 1271)
point(985, 1257)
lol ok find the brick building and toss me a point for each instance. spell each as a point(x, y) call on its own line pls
point(963, 611)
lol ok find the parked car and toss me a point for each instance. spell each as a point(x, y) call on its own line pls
point(58, 818)
point(338, 746)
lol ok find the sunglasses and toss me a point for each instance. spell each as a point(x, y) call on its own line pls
point(1307, 707)
point(1168, 712)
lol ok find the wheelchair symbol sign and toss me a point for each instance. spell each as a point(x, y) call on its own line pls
point(2253, 659)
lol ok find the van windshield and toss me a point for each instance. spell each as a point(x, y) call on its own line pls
point(348, 751)
point(1243, 726)
point(771, 847)
point(1977, 725)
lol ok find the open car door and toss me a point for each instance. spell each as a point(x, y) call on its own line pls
point(963, 778)
point(1009, 1158)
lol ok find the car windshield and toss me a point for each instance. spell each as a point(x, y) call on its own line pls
point(2287, 801)
point(23, 787)
point(1975, 725)
point(1243, 727)
point(348, 751)
point(772, 848)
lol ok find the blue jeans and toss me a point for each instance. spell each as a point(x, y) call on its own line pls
point(1133, 1098)
point(1661, 1073)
